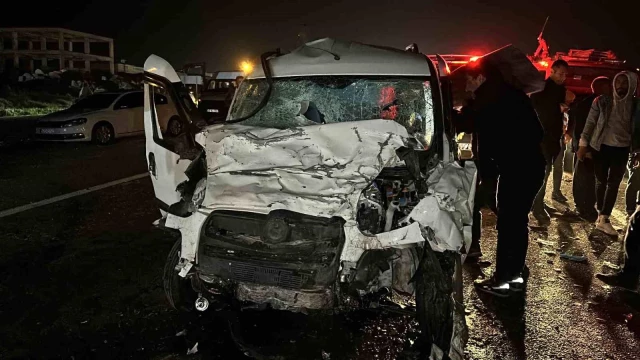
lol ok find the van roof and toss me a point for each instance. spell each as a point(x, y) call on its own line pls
point(338, 57)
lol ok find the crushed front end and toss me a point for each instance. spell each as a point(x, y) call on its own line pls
point(337, 191)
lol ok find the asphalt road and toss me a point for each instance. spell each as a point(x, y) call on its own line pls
point(81, 278)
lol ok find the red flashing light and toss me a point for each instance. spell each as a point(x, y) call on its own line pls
point(543, 63)
point(474, 58)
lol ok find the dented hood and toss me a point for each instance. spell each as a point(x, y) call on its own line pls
point(315, 170)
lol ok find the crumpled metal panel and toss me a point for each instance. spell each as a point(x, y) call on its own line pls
point(448, 209)
point(314, 170)
point(190, 228)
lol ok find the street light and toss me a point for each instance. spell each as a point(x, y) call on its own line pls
point(246, 67)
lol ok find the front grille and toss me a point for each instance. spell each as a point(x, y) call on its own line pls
point(268, 276)
point(282, 249)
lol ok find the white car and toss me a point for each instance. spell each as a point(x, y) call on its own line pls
point(331, 186)
point(103, 117)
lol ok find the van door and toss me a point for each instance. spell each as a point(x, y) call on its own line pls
point(447, 103)
point(168, 158)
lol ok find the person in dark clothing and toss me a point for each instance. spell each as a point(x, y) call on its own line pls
point(633, 166)
point(497, 108)
point(486, 182)
point(628, 276)
point(611, 135)
point(584, 180)
point(633, 184)
point(549, 104)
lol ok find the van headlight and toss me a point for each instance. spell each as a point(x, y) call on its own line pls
point(75, 122)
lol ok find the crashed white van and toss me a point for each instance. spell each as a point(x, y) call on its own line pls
point(331, 186)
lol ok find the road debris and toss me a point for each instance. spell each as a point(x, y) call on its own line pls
point(550, 253)
point(325, 355)
point(193, 350)
point(576, 258)
point(182, 333)
point(544, 242)
point(611, 265)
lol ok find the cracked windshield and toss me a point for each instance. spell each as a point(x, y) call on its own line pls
point(328, 99)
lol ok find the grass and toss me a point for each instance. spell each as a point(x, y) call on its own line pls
point(20, 103)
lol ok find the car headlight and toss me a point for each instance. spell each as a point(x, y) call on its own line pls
point(75, 122)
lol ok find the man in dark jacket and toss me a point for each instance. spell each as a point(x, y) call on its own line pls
point(486, 181)
point(498, 107)
point(584, 179)
point(549, 106)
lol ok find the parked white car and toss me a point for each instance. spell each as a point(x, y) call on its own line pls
point(331, 186)
point(103, 117)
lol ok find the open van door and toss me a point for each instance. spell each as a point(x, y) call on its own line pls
point(168, 158)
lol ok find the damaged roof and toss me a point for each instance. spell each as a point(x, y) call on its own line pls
point(338, 57)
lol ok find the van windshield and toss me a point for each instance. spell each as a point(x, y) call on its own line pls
point(315, 100)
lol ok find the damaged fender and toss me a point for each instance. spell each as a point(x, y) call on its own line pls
point(447, 210)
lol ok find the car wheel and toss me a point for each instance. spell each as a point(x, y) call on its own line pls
point(178, 290)
point(439, 307)
point(174, 127)
point(103, 134)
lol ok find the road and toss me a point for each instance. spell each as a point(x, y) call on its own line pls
point(82, 278)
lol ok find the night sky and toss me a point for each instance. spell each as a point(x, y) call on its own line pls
point(222, 33)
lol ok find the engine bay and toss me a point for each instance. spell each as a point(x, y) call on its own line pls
point(386, 203)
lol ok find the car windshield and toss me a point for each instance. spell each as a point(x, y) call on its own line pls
point(95, 102)
point(303, 101)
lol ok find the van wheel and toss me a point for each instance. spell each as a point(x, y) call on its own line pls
point(178, 290)
point(439, 306)
point(174, 126)
point(102, 133)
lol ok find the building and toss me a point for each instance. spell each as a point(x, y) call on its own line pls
point(29, 49)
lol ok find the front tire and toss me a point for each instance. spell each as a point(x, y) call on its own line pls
point(439, 307)
point(102, 133)
point(178, 291)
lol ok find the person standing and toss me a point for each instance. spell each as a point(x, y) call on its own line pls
point(633, 183)
point(549, 104)
point(558, 165)
point(584, 178)
point(497, 108)
point(628, 276)
point(608, 135)
point(486, 180)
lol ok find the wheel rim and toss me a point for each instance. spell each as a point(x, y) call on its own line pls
point(175, 127)
point(103, 134)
